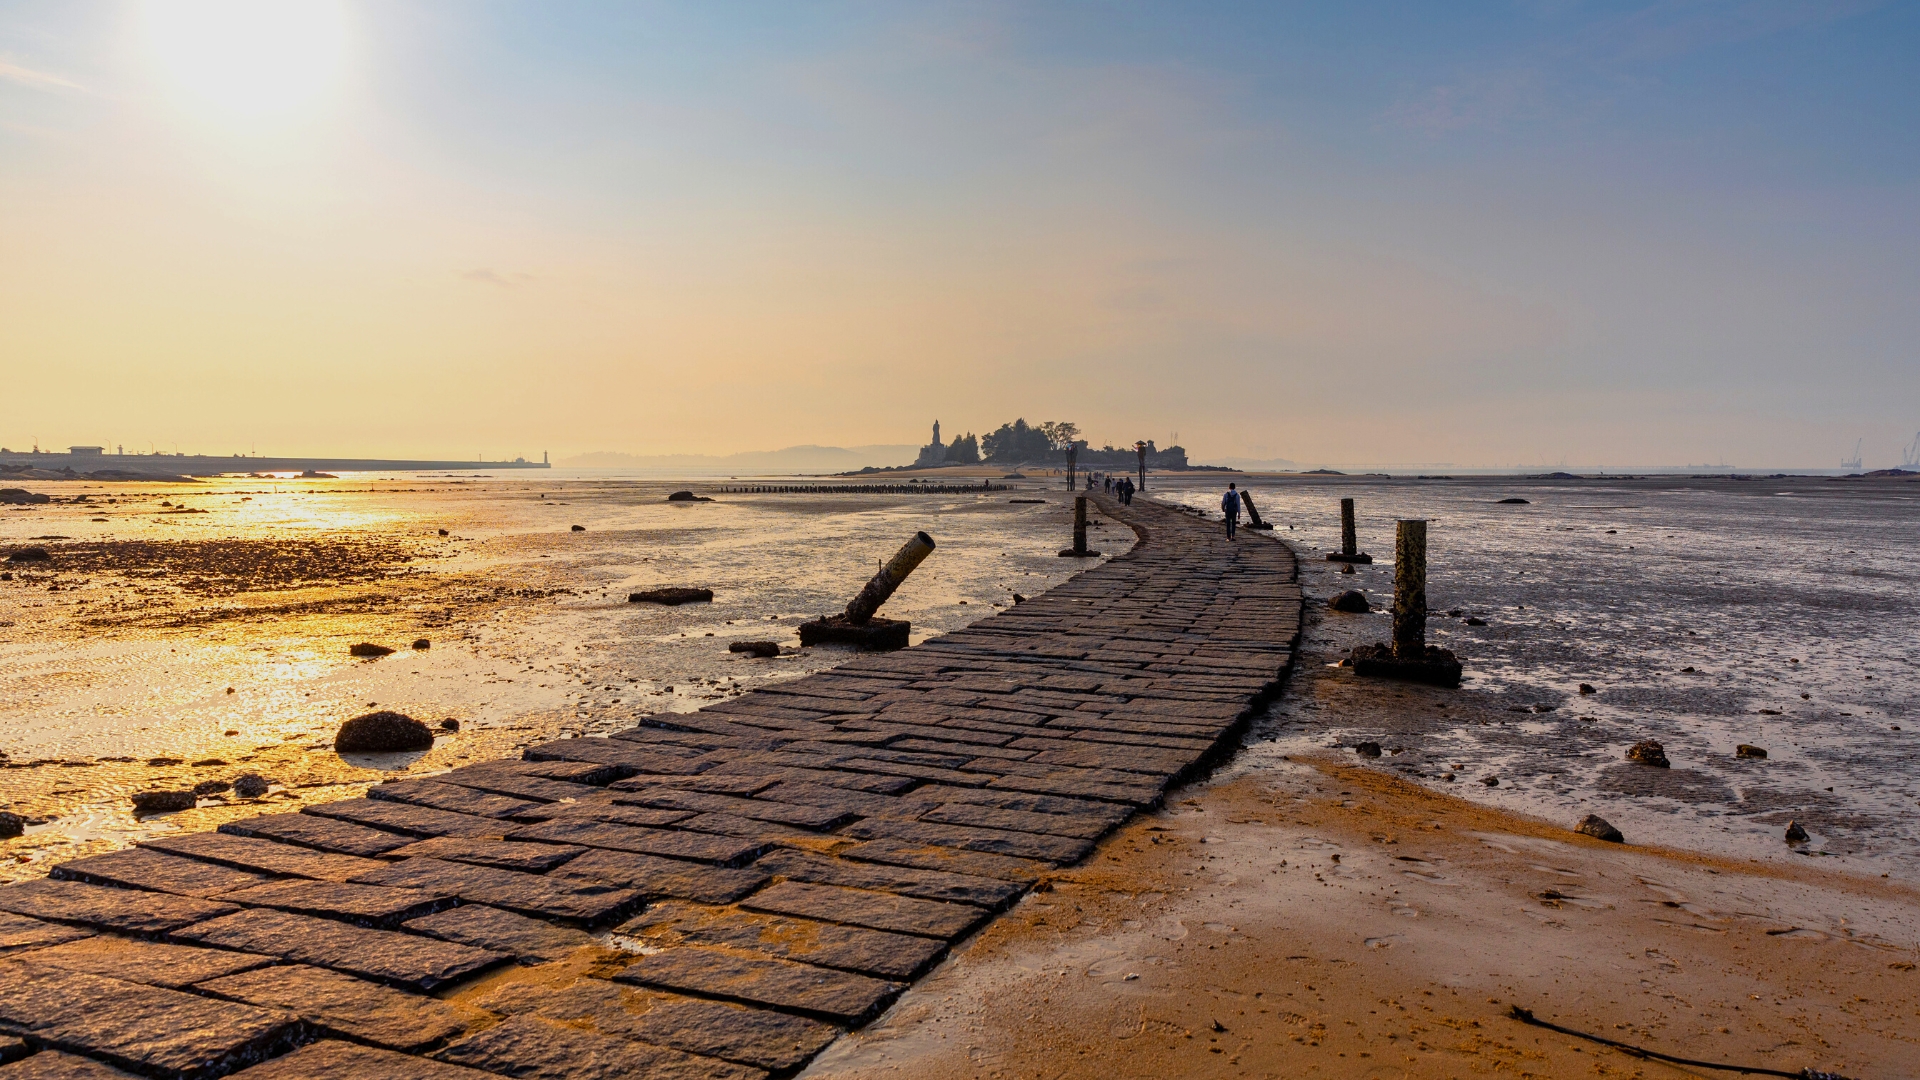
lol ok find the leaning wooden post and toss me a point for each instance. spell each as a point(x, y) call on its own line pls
point(1349, 540)
point(911, 554)
point(1409, 588)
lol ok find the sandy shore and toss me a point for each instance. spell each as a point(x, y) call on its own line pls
point(1314, 914)
point(1323, 919)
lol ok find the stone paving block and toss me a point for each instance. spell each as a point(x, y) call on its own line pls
point(603, 808)
point(759, 1037)
point(990, 893)
point(263, 856)
point(19, 934)
point(527, 858)
point(381, 908)
point(402, 960)
point(993, 817)
point(150, 963)
point(518, 785)
point(343, 1006)
point(1141, 759)
point(527, 1046)
point(145, 1029)
point(1129, 794)
point(878, 785)
point(451, 797)
point(951, 860)
point(697, 847)
point(571, 901)
point(625, 756)
point(141, 914)
point(933, 794)
point(408, 820)
point(153, 871)
point(319, 833)
point(836, 996)
point(590, 773)
point(531, 941)
point(864, 907)
point(1055, 849)
point(850, 948)
point(334, 1060)
point(54, 1065)
point(862, 803)
point(818, 818)
point(765, 833)
point(653, 876)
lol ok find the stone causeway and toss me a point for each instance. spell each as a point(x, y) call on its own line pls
point(717, 894)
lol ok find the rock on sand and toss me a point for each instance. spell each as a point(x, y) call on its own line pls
point(382, 732)
point(1597, 827)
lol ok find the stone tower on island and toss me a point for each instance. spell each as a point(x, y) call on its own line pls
point(934, 453)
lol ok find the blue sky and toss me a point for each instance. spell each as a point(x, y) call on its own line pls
point(1507, 233)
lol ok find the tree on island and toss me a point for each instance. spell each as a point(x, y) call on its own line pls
point(964, 451)
point(1019, 441)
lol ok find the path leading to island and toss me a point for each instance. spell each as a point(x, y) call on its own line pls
point(774, 869)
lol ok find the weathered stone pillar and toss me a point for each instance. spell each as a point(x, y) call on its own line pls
point(1409, 587)
point(911, 554)
point(1349, 540)
point(1080, 525)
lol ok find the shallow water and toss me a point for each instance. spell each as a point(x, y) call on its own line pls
point(224, 634)
point(1796, 605)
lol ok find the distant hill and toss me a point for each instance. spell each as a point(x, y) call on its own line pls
point(793, 459)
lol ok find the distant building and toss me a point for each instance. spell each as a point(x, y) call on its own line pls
point(86, 451)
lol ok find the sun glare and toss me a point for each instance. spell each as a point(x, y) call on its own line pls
point(248, 57)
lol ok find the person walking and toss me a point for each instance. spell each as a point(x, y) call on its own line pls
point(1230, 507)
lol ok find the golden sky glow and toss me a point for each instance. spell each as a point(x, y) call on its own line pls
point(451, 229)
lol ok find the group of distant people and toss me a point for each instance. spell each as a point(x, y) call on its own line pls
point(1122, 488)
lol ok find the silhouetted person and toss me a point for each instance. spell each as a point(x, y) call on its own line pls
point(1230, 506)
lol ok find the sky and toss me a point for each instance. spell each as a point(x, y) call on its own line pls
point(1526, 233)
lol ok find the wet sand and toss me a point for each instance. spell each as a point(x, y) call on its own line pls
point(1327, 920)
point(210, 623)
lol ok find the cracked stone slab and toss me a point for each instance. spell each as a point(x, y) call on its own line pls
point(531, 941)
point(528, 858)
point(344, 1006)
point(333, 1060)
point(994, 817)
point(319, 833)
point(374, 906)
point(54, 1065)
point(153, 871)
point(141, 914)
point(641, 792)
point(864, 907)
point(602, 808)
point(762, 1038)
point(836, 996)
point(146, 1029)
point(150, 963)
point(408, 820)
point(261, 856)
point(653, 876)
point(516, 784)
point(990, 893)
point(849, 948)
point(19, 934)
point(402, 960)
point(526, 1046)
point(586, 903)
point(672, 843)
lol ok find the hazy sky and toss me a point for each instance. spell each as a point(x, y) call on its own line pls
point(1532, 232)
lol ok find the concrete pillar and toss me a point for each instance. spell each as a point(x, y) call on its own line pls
point(1349, 541)
point(1409, 588)
point(1080, 525)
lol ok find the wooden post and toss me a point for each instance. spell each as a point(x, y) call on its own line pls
point(1140, 448)
point(1349, 542)
point(1080, 525)
point(1253, 513)
point(861, 608)
point(1409, 588)
point(1073, 452)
